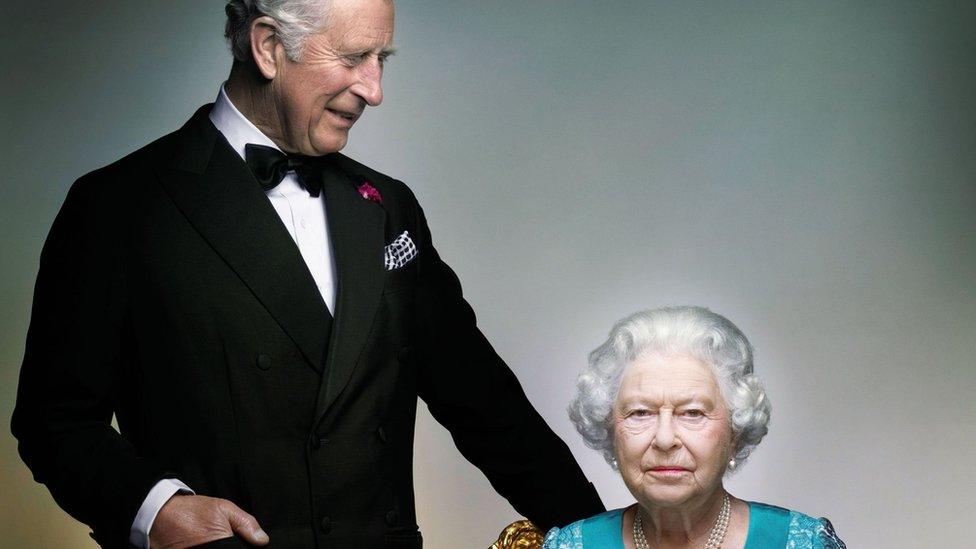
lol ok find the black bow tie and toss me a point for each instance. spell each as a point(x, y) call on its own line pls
point(269, 166)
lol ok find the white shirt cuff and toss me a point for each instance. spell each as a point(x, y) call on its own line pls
point(158, 496)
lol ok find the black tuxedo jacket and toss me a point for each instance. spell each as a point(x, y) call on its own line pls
point(171, 295)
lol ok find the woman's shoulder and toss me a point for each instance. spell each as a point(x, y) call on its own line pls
point(604, 527)
point(816, 533)
point(802, 531)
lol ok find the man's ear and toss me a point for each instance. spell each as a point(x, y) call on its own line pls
point(265, 46)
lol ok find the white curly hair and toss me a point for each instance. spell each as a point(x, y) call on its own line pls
point(692, 331)
point(295, 20)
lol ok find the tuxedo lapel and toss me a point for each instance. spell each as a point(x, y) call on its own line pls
point(356, 226)
point(216, 192)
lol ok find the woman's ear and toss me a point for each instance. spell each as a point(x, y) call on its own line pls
point(733, 444)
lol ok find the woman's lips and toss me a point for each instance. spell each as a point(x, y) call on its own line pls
point(668, 471)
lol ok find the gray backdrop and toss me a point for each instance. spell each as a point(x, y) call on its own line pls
point(806, 169)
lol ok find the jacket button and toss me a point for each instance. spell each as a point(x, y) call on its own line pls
point(405, 354)
point(382, 434)
point(264, 362)
point(317, 442)
point(326, 525)
point(391, 518)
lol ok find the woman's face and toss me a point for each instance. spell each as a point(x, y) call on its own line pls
point(671, 429)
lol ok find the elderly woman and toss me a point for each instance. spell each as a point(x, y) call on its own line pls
point(671, 401)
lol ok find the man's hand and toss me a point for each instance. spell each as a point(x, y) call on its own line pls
point(187, 520)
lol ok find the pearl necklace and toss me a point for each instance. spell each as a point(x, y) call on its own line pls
point(715, 536)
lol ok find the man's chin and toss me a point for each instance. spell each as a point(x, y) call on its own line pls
point(329, 144)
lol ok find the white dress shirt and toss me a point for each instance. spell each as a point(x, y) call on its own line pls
point(304, 217)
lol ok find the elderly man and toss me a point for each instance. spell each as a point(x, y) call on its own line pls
point(260, 314)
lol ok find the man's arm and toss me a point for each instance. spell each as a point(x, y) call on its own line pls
point(70, 377)
point(154, 502)
point(71, 382)
point(471, 391)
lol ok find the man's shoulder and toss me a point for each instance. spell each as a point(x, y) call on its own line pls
point(140, 163)
point(119, 182)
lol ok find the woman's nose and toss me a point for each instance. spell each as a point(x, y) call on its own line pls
point(664, 436)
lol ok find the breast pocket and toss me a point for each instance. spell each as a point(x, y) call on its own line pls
point(400, 280)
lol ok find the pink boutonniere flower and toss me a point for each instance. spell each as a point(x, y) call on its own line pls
point(369, 192)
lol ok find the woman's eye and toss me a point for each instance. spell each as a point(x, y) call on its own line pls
point(640, 413)
point(693, 414)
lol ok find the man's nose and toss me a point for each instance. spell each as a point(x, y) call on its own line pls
point(369, 87)
point(664, 435)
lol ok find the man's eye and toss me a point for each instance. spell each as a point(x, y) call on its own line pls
point(354, 60)
point(640, 413)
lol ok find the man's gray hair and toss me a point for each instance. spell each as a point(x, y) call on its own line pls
point(691, 331)
point(296, 19)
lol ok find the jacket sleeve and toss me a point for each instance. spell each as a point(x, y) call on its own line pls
point(72, 370)
point(470, 390)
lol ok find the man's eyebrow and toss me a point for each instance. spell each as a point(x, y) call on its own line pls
point(384, 52)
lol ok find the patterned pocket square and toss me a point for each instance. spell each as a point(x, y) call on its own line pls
point(399, 252)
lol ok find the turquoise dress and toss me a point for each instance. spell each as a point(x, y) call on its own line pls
point(770, 527)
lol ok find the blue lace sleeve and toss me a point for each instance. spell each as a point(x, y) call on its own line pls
point(811, 533)
point(570, 537)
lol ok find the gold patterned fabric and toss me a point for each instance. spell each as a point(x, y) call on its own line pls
point(519, 535)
